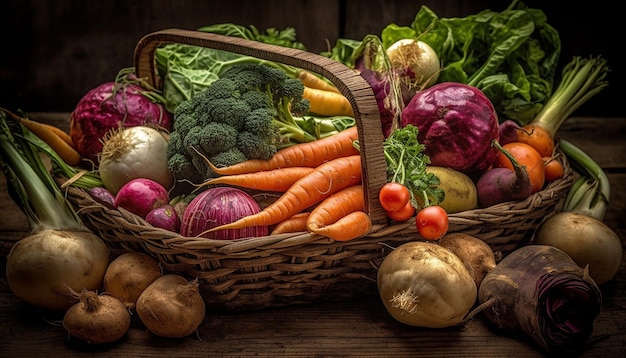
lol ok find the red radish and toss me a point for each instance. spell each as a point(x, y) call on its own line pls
point(140, 196)
point(499, 185)
point(164, 217)
point(508, 131)
point(103, 196)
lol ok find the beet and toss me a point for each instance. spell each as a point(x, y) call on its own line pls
point(457, 124)
point(499, 185)
point(100, 110)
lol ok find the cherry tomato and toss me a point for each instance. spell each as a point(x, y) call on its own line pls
point(432, 222)
point(403, 214)
point(393, 196)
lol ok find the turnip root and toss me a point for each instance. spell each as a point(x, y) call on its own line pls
point(97, 319)
point(541, 291)
point(499, 185)
point(587, 240)
point(171, 306)
point(476, 254)
point(425, 285)
point(129, 274)
point(40, 267)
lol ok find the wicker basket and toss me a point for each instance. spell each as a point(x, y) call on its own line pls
point(287, 269)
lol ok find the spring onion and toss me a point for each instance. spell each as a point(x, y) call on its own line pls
point(591, 191)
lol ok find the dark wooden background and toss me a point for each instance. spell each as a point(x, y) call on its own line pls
point(54, 51)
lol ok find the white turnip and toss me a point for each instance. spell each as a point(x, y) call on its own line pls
point(171, 306)
point(129, 274)
point(97, 319)
point(131, 153)
point(587, 240)
point(40, 267)
point(425, 285)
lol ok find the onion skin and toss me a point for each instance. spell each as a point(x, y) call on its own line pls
point(217, 206)
point(41, 266)
point(97, 319)
point(171, 306)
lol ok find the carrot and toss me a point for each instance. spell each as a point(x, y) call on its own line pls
point(296, 223)
point(309, 154)
point(327, 103)
point(51, 137)
point(538, 138)
point(554, 169)
point(338, 215)
point(311, 80)
point(528, 157)
point(272, 180)
point(324, 181)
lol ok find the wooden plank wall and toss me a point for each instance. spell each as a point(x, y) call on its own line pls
point(54, 51)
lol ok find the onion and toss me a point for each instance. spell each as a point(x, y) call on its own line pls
point(41, 266)
point(419, 57)
point(218, 206)
point(97, 319)
point(131, 153)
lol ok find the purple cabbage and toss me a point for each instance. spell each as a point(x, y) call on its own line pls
point(108, 106)
point(457, 124)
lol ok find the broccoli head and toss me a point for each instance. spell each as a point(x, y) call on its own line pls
point(245, 114)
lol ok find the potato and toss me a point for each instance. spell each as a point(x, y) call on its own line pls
point(459, 188)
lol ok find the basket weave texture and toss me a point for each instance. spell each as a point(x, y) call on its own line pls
point(299, 268)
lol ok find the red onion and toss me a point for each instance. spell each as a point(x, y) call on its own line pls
point(218, 206)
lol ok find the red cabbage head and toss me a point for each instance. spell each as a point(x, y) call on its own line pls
point(457, 124)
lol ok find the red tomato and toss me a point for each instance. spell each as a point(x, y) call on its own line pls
point(432, 222)
point(403, 214)
point(393, 196)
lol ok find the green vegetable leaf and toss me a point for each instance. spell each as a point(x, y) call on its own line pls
point(406, 164)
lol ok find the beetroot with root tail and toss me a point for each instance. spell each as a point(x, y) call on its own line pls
point(540, 291)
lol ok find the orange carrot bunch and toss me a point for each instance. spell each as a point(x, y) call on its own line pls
point(324, 175)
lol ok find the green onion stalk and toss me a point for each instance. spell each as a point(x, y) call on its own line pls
point(582, 79)
point(590, 193)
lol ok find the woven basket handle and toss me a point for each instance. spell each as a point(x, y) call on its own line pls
point(350, 83)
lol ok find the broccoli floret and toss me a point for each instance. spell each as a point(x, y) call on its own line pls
point(245, 114)
point(253, 146)
point(184, 168)
point(225, 159)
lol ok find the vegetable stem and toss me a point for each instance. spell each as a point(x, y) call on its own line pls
point(590, 193)
point(581, 80)
point(40, 199)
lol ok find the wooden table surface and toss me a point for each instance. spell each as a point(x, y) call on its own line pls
point(355, 328)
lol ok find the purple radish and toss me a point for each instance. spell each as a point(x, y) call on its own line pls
point(499, 185)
